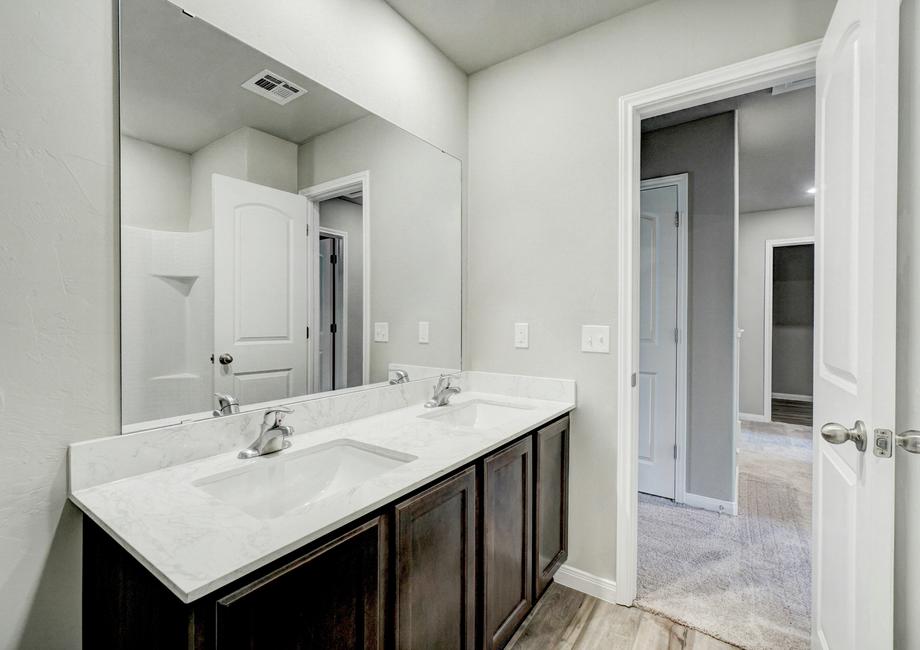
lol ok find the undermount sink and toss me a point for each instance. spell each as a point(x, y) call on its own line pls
point(477, 413)
point(271, 486)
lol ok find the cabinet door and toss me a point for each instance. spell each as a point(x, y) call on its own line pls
point(332, 597)
point(551, 502)
point(507, 541)
point(436, 567)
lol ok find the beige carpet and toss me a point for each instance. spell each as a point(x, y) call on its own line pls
point(743, 579)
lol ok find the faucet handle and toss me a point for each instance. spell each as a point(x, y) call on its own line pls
point(274, 417)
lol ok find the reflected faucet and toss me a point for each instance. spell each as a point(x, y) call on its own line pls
point(274, 436)
point(399, 377)
point(226, 405)
point(442, 392)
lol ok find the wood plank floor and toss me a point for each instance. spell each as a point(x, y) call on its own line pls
point(570, 620)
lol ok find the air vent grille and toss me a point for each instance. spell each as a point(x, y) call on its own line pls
point(274, 87)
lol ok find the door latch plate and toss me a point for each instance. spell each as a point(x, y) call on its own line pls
point(882, 445)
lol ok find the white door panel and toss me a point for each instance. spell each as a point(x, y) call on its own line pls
point(260, 290)
point(658, 347)
point(855, 279)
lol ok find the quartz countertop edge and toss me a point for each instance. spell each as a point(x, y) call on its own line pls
point(195, 544)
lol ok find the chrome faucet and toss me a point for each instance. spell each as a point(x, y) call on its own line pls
point(273, 437)
point(399, 377)
point(442, 392)
point(226, 405)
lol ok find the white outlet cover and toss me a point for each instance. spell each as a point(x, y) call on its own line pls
point(381, 332)
point(521, 335)
point(424, 328)
point(595, 338)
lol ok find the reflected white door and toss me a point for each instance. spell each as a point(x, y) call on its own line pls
point(855, 279)
point(260, 290)
point(657, 341)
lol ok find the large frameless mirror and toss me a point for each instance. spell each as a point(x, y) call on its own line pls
point(277, 239)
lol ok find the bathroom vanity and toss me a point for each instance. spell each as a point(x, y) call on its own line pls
point(411, 528)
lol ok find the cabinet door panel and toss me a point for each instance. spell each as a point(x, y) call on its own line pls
point(436, 567)
point(551, 498)
point(507, 541)
point(333, 597)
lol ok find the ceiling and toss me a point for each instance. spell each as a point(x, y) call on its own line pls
point(180, 84)
point(776, 145)
point(475, 34)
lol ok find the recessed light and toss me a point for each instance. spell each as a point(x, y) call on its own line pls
point(811, 190)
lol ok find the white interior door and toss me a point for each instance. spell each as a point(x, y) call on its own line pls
point(260, 291)
point(855, 273)
point(658, 343)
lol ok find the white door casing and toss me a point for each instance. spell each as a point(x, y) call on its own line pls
point(855, 275)
point(660, 303)
point(260, 290)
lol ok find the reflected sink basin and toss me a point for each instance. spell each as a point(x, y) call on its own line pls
point(272, 486)
point(477, 414)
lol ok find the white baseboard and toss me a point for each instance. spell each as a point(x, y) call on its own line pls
point(587, 583)
point(708, 503)
point(792, 397)
point(753, 417)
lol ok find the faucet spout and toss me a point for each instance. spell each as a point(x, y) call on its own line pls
point(442, 392)
point(273, 436)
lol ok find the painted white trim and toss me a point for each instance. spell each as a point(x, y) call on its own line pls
point(736, 338)
point(793, 397)
point(737, 79)
point(753, 417)
point(343, 237)
point(587, 583)
point(769, 246)
point(682, 182)
point(708, 503)
point(315, 194)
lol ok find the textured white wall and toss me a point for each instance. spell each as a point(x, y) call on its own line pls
point(58, 300)
point(543, 174)
point(907, 493)
point(415, 197)
point(755, 228)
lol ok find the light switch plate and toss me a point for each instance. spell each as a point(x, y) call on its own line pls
point(521, 335)
point(423, 330)
point(595, 338)
point(381, 332)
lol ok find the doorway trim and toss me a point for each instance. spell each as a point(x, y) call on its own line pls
point(682, 182)
point(769, 247)
point(342, 236)
point(316, 194)
point(736, 79)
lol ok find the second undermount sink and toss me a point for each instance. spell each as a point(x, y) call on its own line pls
point(477, 413)
point(271, 486)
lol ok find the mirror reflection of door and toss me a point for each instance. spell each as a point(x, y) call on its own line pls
point(332, 344)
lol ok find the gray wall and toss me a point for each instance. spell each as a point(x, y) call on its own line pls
point(415, 262)
point(706, 149)
point(907, 512)
point(543, 173)
point(793, 319)
point(156, 186)
point(346, 216)
point(754, 229)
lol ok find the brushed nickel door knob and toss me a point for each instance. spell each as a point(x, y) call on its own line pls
point(837, 434)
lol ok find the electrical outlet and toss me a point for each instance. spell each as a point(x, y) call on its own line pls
point(381, 332)
point(595, 338)
point(521, 335)
point(423, 331)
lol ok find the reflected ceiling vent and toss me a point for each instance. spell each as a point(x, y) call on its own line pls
point(274, 87)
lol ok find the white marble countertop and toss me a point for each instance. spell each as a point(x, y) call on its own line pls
point(195, 543)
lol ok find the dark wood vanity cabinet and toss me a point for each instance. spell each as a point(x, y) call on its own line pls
point(457, 564)
point(551, 502)
point(435, 542)
point(332, 597)
point(507, 545)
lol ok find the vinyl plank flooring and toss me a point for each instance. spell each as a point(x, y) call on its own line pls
point(566, 619)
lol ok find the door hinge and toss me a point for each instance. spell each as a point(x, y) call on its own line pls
point(677, 219)
point(333, 328)
point(675, 452)
point(333, 259)
point(676, 335)
point(308, 230)
point(308, 331)
point(634, 380)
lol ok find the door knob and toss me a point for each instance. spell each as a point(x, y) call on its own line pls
point(837, 434)
point(225, 359)
point(908, 441)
